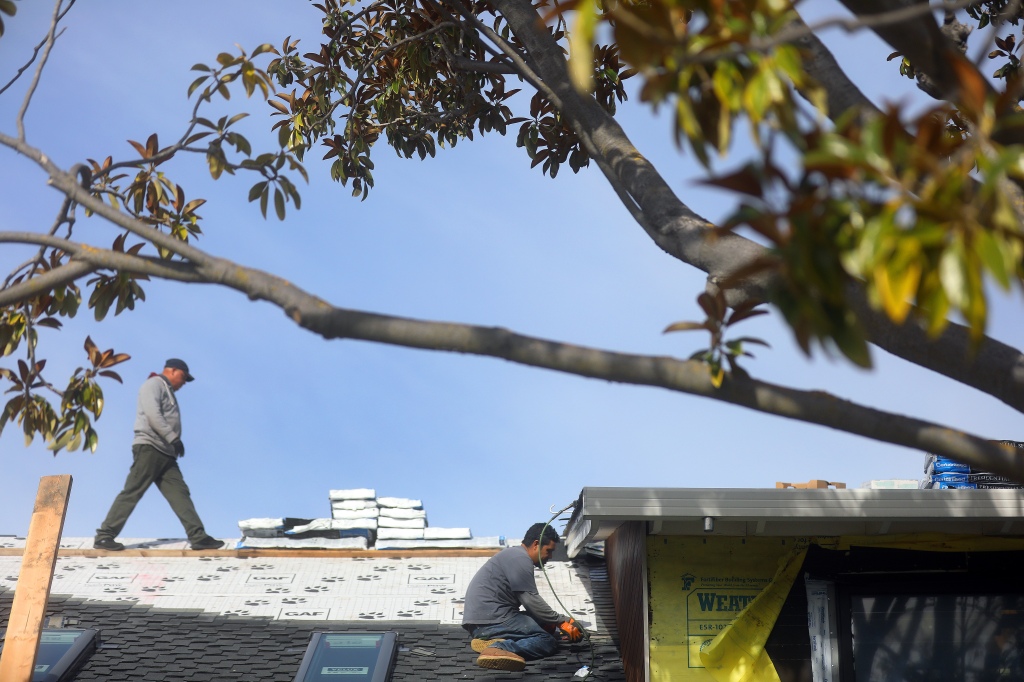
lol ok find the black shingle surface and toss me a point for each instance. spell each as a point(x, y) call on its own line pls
point(143, 643)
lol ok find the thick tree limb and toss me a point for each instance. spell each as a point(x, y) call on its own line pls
point(996, 368)
point(331, 322)
point(691, 377)
point(929, 47)
point(843, 94)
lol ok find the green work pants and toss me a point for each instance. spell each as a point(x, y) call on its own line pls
point(151, 466)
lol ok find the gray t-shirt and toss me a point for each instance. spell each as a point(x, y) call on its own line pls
point(501, 585)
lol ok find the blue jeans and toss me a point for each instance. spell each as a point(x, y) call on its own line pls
point(522, 635)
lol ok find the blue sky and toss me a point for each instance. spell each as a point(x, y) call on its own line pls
point(277, 416)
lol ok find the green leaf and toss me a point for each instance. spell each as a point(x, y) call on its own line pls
point(953, 275)
point(279, 203)
point(853, 345)
point(195, 84)
point(581, 54)
point(1000, 264)
point(256, 190)
point(684, 326)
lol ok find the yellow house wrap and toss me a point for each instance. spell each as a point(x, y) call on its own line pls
point(698, 586)
point(715, 599)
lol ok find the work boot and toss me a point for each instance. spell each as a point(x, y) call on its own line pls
point(479, 645)
point(109, 544)
point(500, 659)
point(208, 543)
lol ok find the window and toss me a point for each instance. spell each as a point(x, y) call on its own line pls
point(348, 657)
point(966, 637)
point(61, 652)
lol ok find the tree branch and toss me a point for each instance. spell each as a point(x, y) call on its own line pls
point(331, 322)
point(51, 36)
point(918, 37)
point(996, 369)
point(691, 377)
point(466, 64)
point(86, 259)
point(843, 94)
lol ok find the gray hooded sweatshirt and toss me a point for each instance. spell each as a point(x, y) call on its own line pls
point(157, 418)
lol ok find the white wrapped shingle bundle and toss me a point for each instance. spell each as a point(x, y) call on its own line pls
point(494, 542)
point(347, 524)
point(387, 522)
point(399, 533)
point(396, 513)
point(260, 524)
point(352, 494)
point(305, 543)
point(434, 533)
point(334, 524)
point(354, 504)
point(355, 513)
point(399, 502)
point(262, 528)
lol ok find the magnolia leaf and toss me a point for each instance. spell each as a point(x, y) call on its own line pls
point(684, 326)
point(745, 312)
point(750, 339)
point(581, 40)
point(953, 277)
point(279, 204)
point(973, 86)
point(896, 287)
point(996, 256)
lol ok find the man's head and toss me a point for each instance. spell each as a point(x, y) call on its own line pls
point(540, 546)
point(176, 372)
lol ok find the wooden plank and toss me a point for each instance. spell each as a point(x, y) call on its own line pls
point(28, 610)
point(281, 553)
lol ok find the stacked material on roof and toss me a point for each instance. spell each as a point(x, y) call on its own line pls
point(942, 473)
point(360, 520)
point(892, 484)
point(300, 534)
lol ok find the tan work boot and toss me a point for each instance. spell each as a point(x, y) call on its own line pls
point(479, 645)
point(500, 659)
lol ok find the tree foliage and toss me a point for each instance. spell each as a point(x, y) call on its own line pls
point(885, 231)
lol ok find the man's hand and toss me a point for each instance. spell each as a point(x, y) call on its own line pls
point(179, 448)
point(569, 631)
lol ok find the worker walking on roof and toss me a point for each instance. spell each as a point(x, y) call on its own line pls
point(504, 636)
point(155, 450)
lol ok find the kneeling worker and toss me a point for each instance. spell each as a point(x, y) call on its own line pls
point(504, 636)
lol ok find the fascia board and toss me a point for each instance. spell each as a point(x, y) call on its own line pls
point(601, 510)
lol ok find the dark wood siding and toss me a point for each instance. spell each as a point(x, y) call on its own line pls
point(625, 553)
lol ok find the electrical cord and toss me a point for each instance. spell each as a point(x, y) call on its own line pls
point(540, 561)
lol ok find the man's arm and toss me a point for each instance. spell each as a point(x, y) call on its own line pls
point(539, 609)
point(149, 403)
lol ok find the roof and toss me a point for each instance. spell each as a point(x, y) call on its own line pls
point(794, 512)
point(223, 615)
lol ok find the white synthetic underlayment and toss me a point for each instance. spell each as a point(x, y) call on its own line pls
point(415, 588)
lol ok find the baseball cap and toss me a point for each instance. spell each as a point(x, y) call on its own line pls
point(175, 363)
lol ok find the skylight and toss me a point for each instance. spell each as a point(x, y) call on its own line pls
point(62, 652)
point(349, 656)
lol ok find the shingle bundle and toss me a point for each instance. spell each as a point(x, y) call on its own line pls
point(298, 533)
point(943, 473)
point(360, 519)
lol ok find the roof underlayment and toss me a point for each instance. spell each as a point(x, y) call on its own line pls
point(220, 616)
